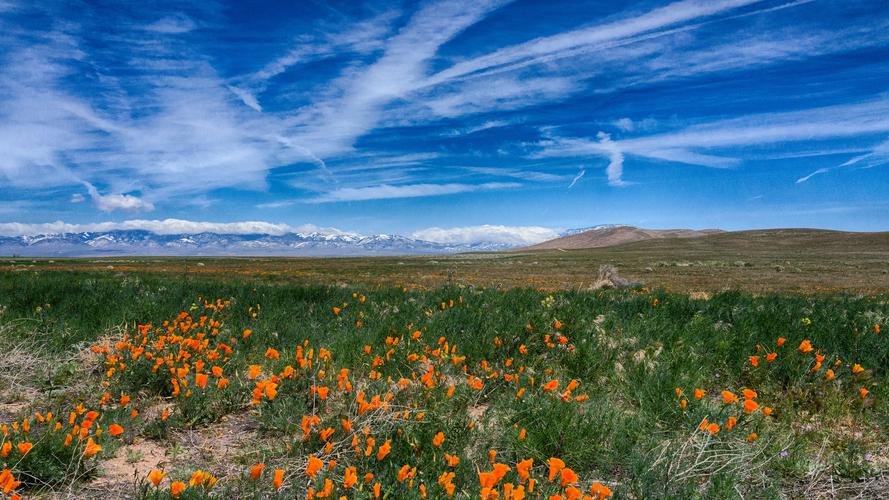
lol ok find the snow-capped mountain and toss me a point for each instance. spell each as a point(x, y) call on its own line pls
point(600, 227)
point(140, 242)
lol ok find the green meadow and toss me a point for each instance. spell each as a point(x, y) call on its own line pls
point(451, 391)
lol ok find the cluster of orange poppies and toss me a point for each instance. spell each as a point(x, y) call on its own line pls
point(190, 354)
point(817, 365)
point(750, 405)
point(83, 431)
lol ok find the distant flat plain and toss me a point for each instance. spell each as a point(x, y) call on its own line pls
point(762, 261)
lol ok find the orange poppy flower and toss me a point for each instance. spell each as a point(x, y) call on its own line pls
point(313, 467)
point(862, 392)
point(781, 341)
point(771, 356)
point(713, 428)
point(200, 380)
point(856, 368)
point(568, 476)
point(555, 466)
point(500, 470)
point(438, 440)
point(752, 437)
point(156, 477)
point(731, 423)
point(523, 468)
point(599, 491)
point(24, 448)
point(176, 488)
point(323, 392)
point(749, 394)
point(754, 361)
point(728, 397)
point(699, 393)
point(403, 473)
point(750, 406)
point(350, 478)
point(550, 386)
point(452, 460)
point(256, 471)
point(278, 479)
point(91, 448)
point(115, 430)
point(384, 450)
point(805, 347)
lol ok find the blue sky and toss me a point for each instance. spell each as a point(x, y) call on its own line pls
point(450, 120)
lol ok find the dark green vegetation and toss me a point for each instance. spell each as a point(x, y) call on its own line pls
point(631, 350)
point(781, 260)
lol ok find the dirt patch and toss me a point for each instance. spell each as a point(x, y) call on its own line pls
point(14, 403)
point(131, 463)
point(477, 412)
point(699, 295)
point(215, 444)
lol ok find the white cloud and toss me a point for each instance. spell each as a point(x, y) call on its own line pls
point(879, 154)
point(332, 126)
point(510, 235)
point(577, 178)
point(624, 124)
point(175, 24)
point(246, 97)
point(526, 175)
point(813, 174)
point(77, 198)
point(500, 94)
point(166, 226)
point(385, 191)
point(733, 136)
point(563, 44)
point(615, 169)
point(629, 125)
point(112, 202)
point(181, 135)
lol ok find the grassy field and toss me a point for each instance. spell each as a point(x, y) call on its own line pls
point(755, 261)
point(113, 379)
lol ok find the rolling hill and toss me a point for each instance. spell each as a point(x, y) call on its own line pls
point(607, 236)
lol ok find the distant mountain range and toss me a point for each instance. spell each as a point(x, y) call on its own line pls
point(140, 242)
point(147, 243)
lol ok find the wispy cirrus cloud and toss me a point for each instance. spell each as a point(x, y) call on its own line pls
point(332, 126)
point(716, 144)
point(385, 191)
point(545, 49)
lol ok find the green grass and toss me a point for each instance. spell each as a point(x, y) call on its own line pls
point(631, 349)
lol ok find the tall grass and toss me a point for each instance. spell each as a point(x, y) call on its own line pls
point(631, 350)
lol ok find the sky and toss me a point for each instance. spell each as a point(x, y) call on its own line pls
point(454, 121)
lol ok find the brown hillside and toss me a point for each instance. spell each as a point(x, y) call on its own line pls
point(611, 236)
